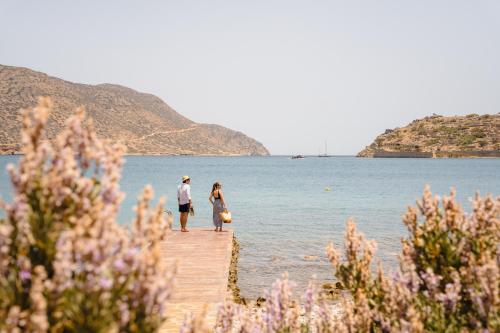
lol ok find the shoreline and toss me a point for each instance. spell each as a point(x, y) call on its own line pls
point(381, 153)
point(396, 155)
point(329, 291)
point(232, 284)
point(162, 155)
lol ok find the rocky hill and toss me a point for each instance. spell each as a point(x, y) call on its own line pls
point(142, 121)
point(437, 136)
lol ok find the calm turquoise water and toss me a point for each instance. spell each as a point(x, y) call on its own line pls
point(282, 212)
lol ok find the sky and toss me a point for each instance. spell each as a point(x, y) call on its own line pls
point(290, 74)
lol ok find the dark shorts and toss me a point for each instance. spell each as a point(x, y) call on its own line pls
point(184, 208)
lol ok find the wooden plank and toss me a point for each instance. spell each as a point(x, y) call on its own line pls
point(203, 257)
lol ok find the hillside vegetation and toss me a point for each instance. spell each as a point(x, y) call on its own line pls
point(142, 121)
point(437, 136)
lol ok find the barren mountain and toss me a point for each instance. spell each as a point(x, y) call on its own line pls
point(142, 121)
point(437, 136)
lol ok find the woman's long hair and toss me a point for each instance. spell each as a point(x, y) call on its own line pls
point(215, 186)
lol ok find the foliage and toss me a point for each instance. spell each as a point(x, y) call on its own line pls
point(448, 280)
point(422, 131)
point(280, 313)
point(65, 264)
point(478, 133)
point(466, 140)
point(433, 141)
point(449, 130)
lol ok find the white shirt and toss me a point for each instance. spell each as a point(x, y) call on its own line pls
point(184, 193)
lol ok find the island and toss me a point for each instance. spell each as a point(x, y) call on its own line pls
point(437, 136)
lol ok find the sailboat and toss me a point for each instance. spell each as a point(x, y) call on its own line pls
point(326, 152)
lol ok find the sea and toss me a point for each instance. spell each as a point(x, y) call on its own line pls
point(286, 211)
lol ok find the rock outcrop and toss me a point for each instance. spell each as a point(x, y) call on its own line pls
point(437, 136)
point(143, 122)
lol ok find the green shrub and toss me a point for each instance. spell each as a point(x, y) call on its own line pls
point(448, 130)
point(433, 141)
point(448, 278)
point(466, 140)
point(478, 132)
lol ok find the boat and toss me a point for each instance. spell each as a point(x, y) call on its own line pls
point(295, 157)
point(326, 152)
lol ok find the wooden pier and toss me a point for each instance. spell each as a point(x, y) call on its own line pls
point(203, 257)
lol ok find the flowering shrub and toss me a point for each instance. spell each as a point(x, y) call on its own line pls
point(448, 277)
point(448, 280)
point(281, 313)
point(65, 264)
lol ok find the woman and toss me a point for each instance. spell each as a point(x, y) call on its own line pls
point(216, 198)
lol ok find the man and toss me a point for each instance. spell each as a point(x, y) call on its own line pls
point(184, 200)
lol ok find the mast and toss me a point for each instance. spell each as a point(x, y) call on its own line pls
point(326, 151)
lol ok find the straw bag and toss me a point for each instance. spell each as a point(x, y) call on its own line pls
point(225, 216)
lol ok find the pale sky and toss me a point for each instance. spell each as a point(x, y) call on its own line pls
point(290, 74)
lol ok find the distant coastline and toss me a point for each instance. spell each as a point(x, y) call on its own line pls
point(17, 153)
point(439, 154)
point(471, 136)
point(142, 122)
